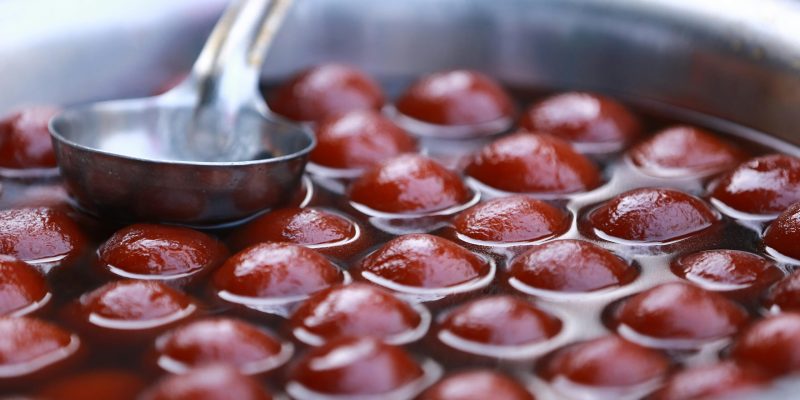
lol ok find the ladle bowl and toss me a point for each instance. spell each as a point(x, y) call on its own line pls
point(205, 153)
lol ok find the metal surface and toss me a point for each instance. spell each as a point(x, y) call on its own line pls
point(738, 60)
point(206, 147)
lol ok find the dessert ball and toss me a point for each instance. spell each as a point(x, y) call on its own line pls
point(652, 215)
point(359, 140)
point(354, 366)
point(23, 289)
point(213, 382)
point(325, 90)
point(712, 381)
point(608, 361)
point(512, 219)
point(25, 138)
point(533, 163)
point(677, 311)
point(409, 184)
point(303, 226)
point(475, 385)
point(763, 185)
point(783, 234)
point(358, 309)
point(422, 261)
point(160, 252)
point(457, 97)
point(569, 265)
point(581, 117)
point(771, 344)
point(220, 340)
point(727, 271)
point(95, 384)
point(41, 236)
point(684, 150)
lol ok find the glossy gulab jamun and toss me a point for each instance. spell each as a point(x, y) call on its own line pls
point(684, 150)
point(25, 138)
point(304, 226)
point(23, 289)
point(678, 315)
point(533, 163)
point(456, 97)
point(220, 340)
point(423, 261)
point(96, 384)
point(213, 382)
point(359, 140)
point(652, 215)
point(583, 118)
point(162, 252)
point(512, 219)
point(764, 185)
point(783, 234)
point(771, 344)
point(727, 271)
point(41, 236)
point(571, 266)
point(409, 183)
point(476, 385)
point(726, 379)
point(325, 90)
point(354, 366)
point(358, 309)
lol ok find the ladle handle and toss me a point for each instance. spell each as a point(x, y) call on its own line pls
point(227, 71)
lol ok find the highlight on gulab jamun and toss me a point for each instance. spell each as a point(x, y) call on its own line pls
point(593, 122)
point(325, 90)
point(783, 234)
point(568, 266)
point(763, 186)
point(511, 219)
point(358, 309)
point(409, 184)
point(533, 163)
point(25, 138)
point(651, 215)
point(162, 252)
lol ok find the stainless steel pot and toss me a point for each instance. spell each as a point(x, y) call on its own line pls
point(738, 60)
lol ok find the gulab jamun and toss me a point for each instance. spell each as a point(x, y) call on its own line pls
point(31, 348)
point(130, 311)
point(456, 97)
point(785, 295)
point(771, 344)
point(409, 183)
point(684, 150)
point(583, 118)
point(727, 271)
point(512, 219)
point(304, 226)
point(43, 235)
point(783, 234)
point(533, 163)
point(652, 215)
point(608, 361)
point(221, 340)
point(23, 289)
point(358, 309)
point(569, 266)
point(500, 320)
point(763, 185)
point(355, 366)
point(25, 138)
point(477, 385)
point(162, 252)
point(726, 379)
point(213, 382)
point(678, 315)
point(325, 90)
point(359, 140)
point(276, 270)
point(420, 261)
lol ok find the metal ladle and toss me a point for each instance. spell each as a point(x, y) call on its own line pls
point(207, 152)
